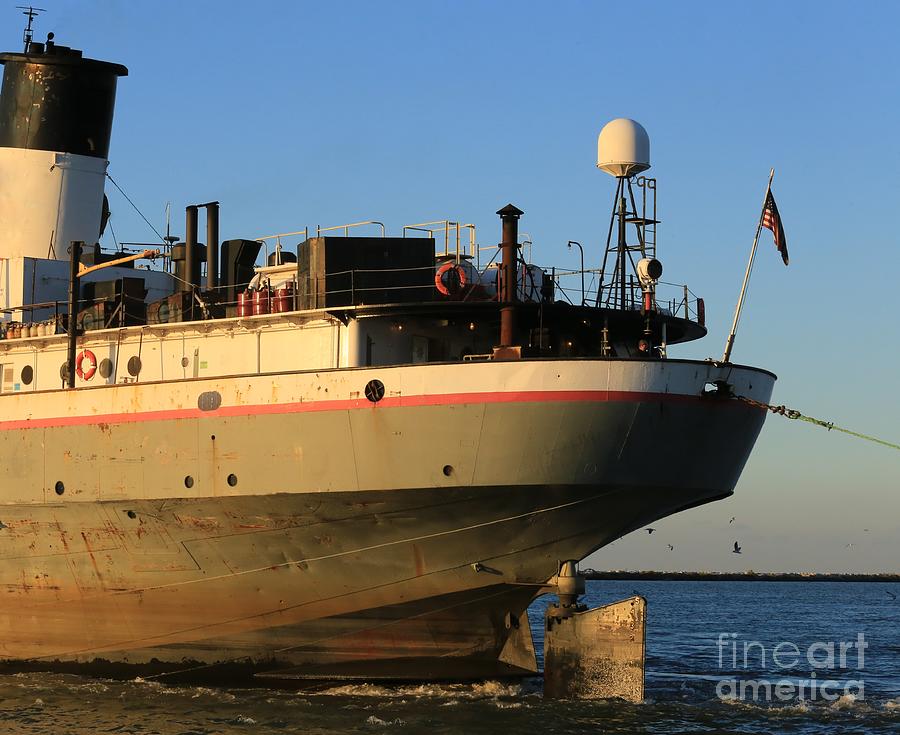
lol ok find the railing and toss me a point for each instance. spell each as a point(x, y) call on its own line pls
point(305, 234)
point(354, 286)
point(277, 238)
point(49, 326)
point(446, 226)
point(346, 228)
point(675, 299)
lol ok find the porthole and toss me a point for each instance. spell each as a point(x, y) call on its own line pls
point(64, 371)
point(59, 487)
point(209, 400)
point(232, 480)
point(105, 367)
point(448, 470)
point(134, 365)
point(27, 374)
point(189, 482)
point(374, 390)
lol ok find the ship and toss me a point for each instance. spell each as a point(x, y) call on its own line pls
point(325, 454)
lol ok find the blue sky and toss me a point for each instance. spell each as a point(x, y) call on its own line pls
point(297, 114)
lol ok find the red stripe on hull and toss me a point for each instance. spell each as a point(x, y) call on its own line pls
point(596, 396)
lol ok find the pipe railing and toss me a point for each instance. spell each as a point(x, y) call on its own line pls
point(446, 226)
point(277, 238)
point(346, 228)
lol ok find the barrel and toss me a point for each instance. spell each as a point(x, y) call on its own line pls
point(244, 303)
point(261, 302)
point(284, 299)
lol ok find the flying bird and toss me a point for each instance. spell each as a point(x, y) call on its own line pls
point(848, 545)
point(890, 594)
point(671, 548)
point(732, 519)
point(649, 530)
point(736, 549)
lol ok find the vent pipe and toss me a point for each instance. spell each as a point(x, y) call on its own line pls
point(212, 245)
point(190, 247)
point(508, 293)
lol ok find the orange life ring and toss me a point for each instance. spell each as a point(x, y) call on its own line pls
point(79, 365)
point(460, 279)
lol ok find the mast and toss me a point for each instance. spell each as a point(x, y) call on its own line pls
point(623, 150)
point(729, 344)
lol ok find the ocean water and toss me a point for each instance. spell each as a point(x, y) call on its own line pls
point(697, 679)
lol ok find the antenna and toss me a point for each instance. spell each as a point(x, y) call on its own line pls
point(170, 239)
point(32, 14)
point(623, 151)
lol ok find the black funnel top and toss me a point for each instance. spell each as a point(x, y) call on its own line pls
point(53, 99)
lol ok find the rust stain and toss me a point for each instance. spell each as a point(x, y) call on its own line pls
point(203, 523)
point(62, 536)
point(419, 560)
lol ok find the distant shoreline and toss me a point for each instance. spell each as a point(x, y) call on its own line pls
point(739, 576)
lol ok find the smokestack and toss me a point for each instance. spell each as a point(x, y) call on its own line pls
point(509, 245)
point(212, 245)
point(190, 247)
point(56, 113)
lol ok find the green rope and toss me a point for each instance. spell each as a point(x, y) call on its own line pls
point(796, 415)
point(830, 426)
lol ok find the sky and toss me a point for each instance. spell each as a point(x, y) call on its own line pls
point(297, 114)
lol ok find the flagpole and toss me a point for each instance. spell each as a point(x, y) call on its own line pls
point(737, 312)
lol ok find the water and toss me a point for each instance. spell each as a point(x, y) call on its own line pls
point(683, 672)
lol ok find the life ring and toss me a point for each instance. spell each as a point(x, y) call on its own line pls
point(457, 284)
point(79, 365)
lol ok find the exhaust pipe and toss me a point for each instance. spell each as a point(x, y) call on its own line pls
point(212, 245)
point(508, 292)
point(190, 247)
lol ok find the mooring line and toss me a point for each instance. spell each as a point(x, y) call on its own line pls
point(828, 425)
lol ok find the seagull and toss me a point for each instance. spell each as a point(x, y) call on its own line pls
point(736, 549)
point(649, 530)
point(848, 545)
point(671, 548)
point(732, 519)
point(890, 594)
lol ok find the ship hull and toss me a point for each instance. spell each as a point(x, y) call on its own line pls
point(397, 539)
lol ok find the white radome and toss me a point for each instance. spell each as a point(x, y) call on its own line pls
point(623, 148)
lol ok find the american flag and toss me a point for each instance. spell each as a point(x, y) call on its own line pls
point(772, 220)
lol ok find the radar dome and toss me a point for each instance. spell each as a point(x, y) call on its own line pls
point(623, 148)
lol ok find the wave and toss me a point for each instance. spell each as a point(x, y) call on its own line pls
point(481, 690)
point(373, 720)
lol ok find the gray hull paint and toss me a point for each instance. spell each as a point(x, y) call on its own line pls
point(373, 583)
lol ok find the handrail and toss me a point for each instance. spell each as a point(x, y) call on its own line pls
point(346, 228)
point(304, 232)
point(445, 229)
point(472, 244)
point(447, 225)
point(277, 238)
